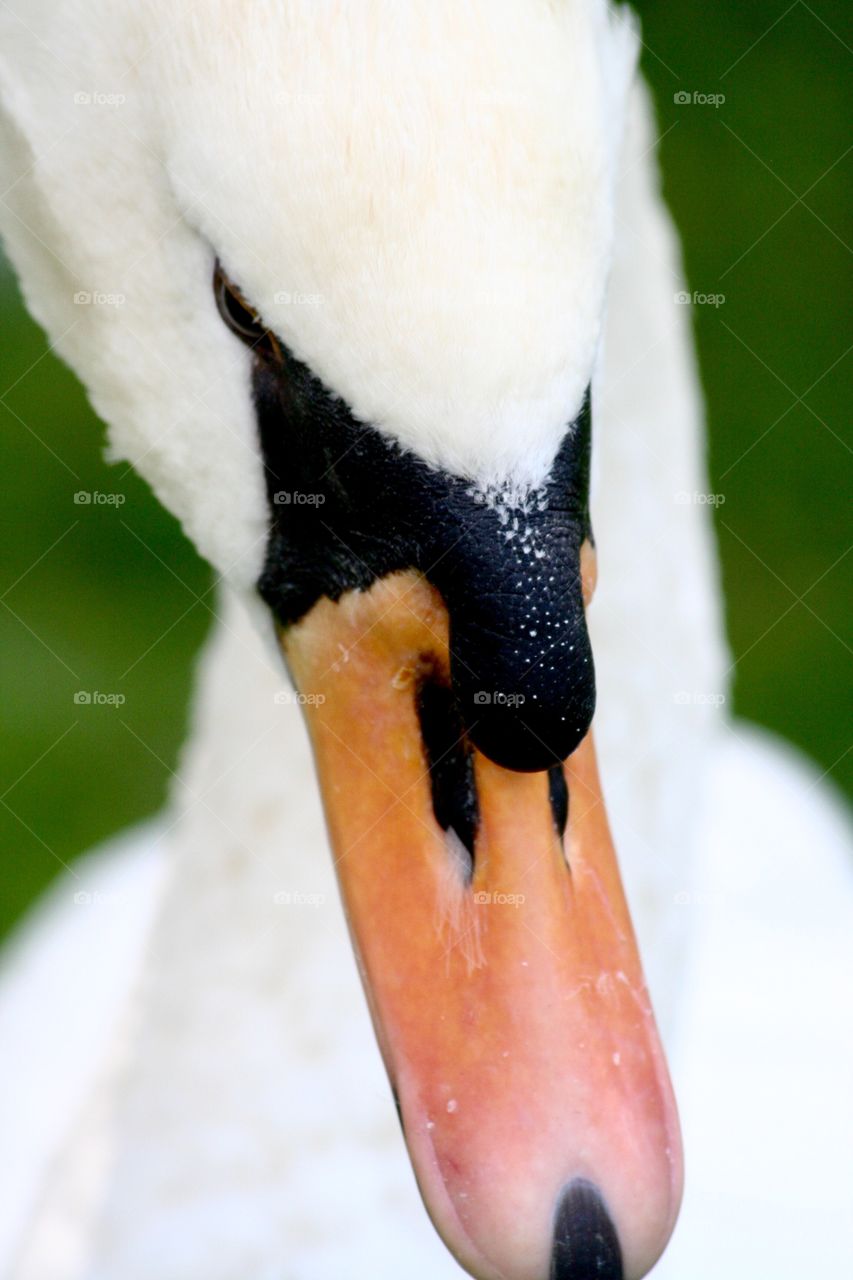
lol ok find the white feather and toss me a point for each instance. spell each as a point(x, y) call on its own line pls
point(230, 1117)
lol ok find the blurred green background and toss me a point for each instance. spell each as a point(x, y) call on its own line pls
point(109, 599)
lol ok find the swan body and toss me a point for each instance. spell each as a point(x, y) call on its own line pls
point(223, 1110)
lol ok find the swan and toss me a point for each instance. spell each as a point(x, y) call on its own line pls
point(378, 297)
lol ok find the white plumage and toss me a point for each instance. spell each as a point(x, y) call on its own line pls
point(196, 1091)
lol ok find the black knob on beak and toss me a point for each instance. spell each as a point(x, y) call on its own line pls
point(528, 720)
point(521, 661)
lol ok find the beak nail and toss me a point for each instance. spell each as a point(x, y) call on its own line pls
point(586, 1246)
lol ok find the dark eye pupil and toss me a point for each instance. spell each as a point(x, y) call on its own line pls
point(239, 316)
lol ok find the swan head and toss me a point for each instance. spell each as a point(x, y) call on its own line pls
point(364, 250)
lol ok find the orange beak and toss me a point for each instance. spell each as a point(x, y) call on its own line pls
point(503, 977)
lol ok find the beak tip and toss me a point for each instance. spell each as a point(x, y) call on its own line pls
point(586, 1246)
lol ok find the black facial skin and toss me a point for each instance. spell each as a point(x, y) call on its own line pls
point(349, 507)
point(451, 767)
point(558, 793)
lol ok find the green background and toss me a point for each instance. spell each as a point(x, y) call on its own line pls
point(115, 600)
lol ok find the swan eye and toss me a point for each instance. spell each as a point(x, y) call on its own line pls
point(241, 317)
